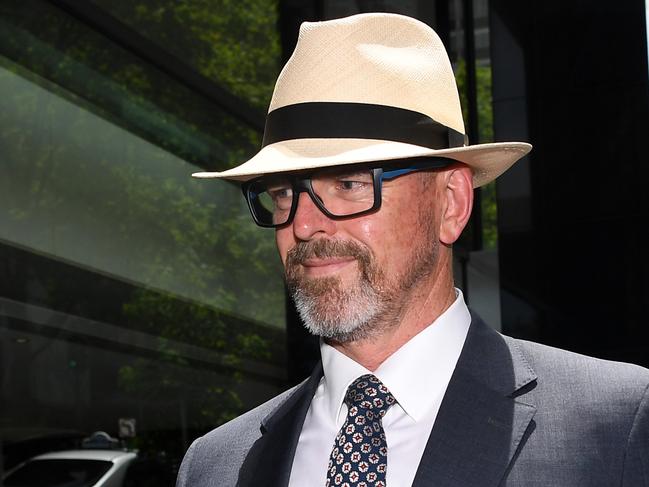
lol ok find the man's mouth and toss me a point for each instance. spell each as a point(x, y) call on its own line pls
point(325, 258)
point(322, 266)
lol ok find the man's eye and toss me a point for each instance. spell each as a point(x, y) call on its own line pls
point(280, 193)
point(351, 185)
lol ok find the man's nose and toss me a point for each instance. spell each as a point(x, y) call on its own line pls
point(309, 220)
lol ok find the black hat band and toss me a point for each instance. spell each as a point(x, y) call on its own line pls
point(332, 120)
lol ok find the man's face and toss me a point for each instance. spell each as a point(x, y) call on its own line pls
point(351, 278)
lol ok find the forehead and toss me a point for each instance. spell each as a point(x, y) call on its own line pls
point(419, 164)
point(344, 169)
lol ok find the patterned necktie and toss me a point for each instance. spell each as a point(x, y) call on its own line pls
point(360, 454)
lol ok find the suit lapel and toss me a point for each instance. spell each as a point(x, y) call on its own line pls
point(483, 418)
point(270, 459)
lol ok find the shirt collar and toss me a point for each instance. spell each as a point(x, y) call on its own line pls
point(339, 372)
point(416, 374)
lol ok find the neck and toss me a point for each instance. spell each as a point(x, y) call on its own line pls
point(424, 304)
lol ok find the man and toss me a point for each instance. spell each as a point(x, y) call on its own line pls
point(366, 177)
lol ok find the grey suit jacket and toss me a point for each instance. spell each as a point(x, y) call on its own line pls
point(515, 413)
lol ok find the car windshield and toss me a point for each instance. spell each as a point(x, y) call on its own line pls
point(58, 473)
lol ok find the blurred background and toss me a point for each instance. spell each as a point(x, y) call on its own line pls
point(139, 302)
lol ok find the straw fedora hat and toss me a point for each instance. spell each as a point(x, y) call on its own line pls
point(370, 87)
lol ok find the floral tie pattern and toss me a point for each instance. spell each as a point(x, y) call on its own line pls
point(360, 453)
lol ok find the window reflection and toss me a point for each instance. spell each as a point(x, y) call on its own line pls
point(126, 289)
point(235, 44)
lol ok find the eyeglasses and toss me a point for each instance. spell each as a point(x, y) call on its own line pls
point(342, 192)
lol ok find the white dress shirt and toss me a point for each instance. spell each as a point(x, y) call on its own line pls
point(417, 375)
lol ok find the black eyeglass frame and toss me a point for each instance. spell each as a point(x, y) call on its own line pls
point(301, 182)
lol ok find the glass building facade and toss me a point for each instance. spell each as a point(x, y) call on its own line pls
point(140, 302)
point(129, 292)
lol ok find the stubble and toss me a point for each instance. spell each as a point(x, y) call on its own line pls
point(369, 305)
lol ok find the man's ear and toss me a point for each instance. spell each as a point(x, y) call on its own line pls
point(458, 202)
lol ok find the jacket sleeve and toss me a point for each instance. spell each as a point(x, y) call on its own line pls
point(184, 473)
point(636, 463)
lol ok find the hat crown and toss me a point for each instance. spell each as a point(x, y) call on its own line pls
point(367, 88)
point(382, 59)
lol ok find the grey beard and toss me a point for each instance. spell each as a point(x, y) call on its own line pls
point(366, 308)
point(329, 308)
point(341, 316)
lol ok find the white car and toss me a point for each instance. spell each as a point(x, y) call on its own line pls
point(72, 468)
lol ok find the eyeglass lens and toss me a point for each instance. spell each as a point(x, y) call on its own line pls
point(341, 193)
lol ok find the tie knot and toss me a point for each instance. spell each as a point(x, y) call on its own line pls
point(368, 393)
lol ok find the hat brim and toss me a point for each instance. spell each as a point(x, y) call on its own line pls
point(488, 161)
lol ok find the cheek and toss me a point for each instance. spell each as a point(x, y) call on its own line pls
point(402, 232)
point(284, 241)
point(367, 230)
point(385, 236)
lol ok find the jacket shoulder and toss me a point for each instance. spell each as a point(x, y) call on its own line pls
point(569, 368)
point(215, 458)
point(598, 408)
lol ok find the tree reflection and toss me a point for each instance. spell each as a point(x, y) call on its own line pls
point(486, 134)
point(81, 184)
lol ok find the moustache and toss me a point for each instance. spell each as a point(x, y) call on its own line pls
point(322, 248)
